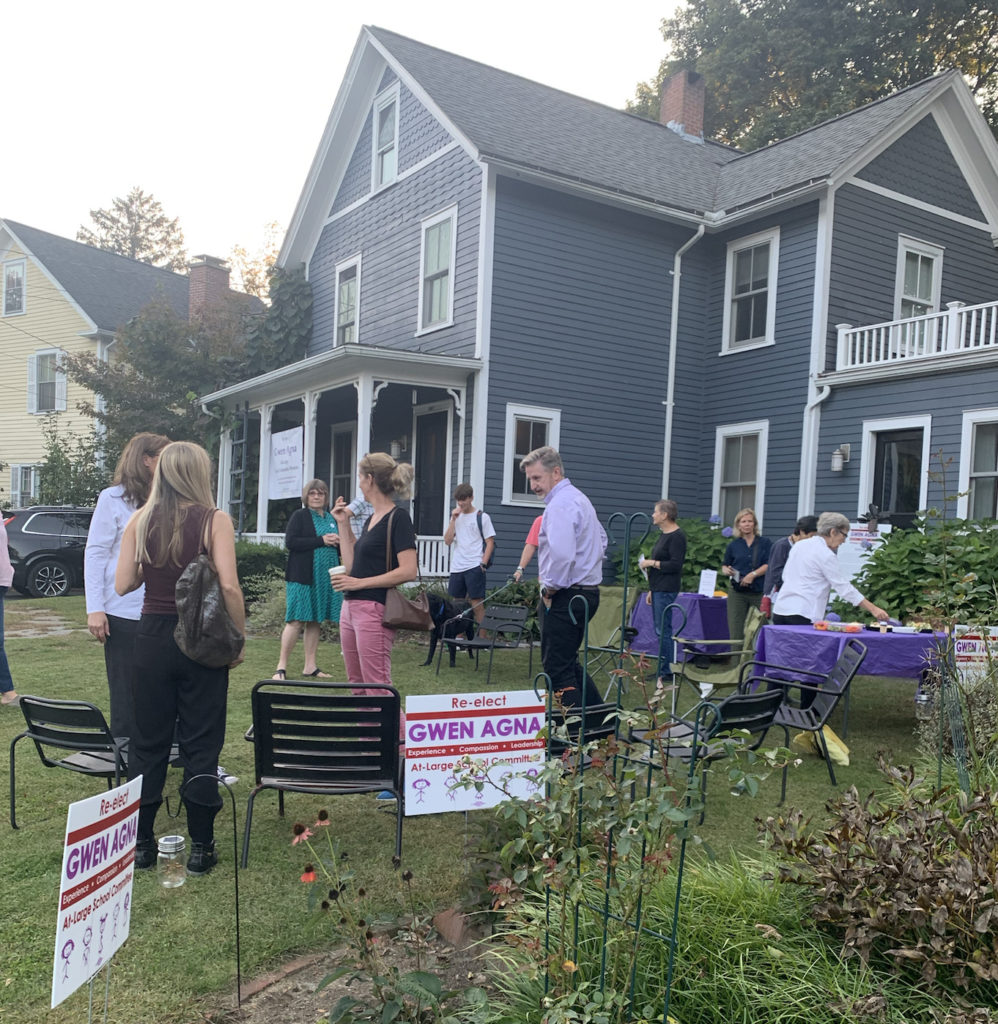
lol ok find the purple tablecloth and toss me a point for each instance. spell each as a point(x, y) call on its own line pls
point(706, 619)
point(904, 655)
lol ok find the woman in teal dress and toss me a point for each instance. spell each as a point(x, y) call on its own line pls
point(313, 540)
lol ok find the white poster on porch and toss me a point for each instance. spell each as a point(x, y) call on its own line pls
point(497, 731)
point(286, 452)
point(95, 896)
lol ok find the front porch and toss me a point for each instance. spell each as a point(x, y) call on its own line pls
point(962, 335)
point(434, 555)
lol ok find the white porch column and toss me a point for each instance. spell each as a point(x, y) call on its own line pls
point(224, 487)
point(266, 415)
point(311, 400)
point(365, 407)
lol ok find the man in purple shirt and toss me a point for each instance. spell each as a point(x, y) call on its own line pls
point(570, 567)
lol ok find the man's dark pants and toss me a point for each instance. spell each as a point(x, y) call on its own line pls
point(560, 640)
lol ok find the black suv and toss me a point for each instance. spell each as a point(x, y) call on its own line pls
point(46, 544)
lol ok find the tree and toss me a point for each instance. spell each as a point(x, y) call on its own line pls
point(162, 364)
point(776, 67)
point(73, 472)
point(251, 272)
point(136, 227)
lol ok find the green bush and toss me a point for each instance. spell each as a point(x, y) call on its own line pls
point(253, 559)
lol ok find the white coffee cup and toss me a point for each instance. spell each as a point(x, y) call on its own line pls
point(336, 570)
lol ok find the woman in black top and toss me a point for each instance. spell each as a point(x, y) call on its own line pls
point(665, 571)
point(367, 644)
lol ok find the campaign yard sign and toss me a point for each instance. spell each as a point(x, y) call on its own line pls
point(496, 731)
point(286, 454)
point(95, 894)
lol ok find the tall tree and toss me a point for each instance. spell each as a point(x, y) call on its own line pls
point(136, 226)
point(251, 271)
point(776, 67)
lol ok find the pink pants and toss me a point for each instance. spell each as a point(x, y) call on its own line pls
point(367, 644)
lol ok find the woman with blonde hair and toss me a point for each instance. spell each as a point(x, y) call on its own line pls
point(746, 559)
point(366, 642)
point(113, 620)
point(178, 521)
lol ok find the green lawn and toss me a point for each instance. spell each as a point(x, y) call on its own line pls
point(180, 955)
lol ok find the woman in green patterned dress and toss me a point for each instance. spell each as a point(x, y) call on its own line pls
point(313, 540)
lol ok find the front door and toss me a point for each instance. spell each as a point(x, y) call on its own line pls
point(897, 475)
point(430, 500)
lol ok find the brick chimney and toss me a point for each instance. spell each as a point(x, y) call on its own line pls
point(682, 104)
point(208, 284)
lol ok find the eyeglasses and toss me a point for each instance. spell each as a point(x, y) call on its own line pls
point(315, 490)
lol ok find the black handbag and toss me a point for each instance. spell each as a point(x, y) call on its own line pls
point(403, 612)
point(205, 631)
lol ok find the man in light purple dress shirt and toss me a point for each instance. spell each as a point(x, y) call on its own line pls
point(570, 567)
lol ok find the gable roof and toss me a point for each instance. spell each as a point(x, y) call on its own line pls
point(110, 289)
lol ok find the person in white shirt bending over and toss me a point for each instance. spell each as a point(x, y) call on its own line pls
point(812, 571)
point(471, 537)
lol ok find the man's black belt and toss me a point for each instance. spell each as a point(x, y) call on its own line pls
point(580, 586)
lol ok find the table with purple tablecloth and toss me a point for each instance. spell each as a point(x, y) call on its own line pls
point(706, 619)
point(901, 655)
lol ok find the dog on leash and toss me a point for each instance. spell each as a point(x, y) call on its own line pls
point(443, 612)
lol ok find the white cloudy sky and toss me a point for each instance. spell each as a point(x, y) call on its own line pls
point(216, 106)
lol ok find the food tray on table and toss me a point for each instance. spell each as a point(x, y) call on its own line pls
point(838, 627)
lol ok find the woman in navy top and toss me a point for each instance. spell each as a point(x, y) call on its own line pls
point(746, 560)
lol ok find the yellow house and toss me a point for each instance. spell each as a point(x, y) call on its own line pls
point(61, 297)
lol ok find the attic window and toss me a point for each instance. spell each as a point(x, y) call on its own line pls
point(13, 288)
point(386, 138)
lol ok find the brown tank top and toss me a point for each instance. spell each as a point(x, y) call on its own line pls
point(161, 581)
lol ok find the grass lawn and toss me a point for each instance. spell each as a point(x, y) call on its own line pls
point(180, 955)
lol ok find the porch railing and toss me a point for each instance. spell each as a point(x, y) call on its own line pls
point(434, 554)
point(961, 329)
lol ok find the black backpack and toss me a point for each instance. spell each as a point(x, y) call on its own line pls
point(488, 564)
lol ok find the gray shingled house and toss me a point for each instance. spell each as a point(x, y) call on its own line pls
point(497, 264)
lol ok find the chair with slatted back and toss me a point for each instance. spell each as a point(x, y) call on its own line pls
point(321, 738)
point(76, 726)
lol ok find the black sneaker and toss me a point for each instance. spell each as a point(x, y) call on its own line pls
point(145, 853)
point(202, 858)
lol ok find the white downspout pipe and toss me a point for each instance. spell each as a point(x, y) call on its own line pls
point(673, 333)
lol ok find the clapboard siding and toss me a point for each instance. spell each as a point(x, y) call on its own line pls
point(921, 165)
point(864, 259)
point(386, 232)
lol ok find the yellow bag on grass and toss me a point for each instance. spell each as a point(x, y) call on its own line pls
point(806, 743)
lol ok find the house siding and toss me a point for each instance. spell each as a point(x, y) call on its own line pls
point(385, 231)
point(864, 259)
point(921, 165)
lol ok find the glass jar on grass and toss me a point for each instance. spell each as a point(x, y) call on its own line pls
point(171, 861)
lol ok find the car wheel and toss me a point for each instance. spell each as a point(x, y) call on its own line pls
point(48, 578)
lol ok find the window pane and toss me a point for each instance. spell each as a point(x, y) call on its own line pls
point(522, 437)
point(759, 304)
point(538, 434)
point(760, 266)
point(387, 164)
point(386, 126)
point(985, 448)
point(732, 460)
point(984, 498)
point(743, 271)
point(13, 294)
point(437, 257)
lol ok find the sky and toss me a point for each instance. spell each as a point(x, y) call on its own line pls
point(217, 107)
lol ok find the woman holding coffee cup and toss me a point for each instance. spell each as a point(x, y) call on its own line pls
point(312, 539)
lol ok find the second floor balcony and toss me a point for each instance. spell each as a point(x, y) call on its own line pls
point(962, 335)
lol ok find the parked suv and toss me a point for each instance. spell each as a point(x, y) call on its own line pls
point(46, 544)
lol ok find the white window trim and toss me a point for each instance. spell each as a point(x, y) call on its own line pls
point(726, 430)
point(908, 244)
point(354, 261)
point(772, 235)
point(424, 225)
point(971, 418)
point(525, 412)
point(869, 453)
point(24, 288)
point(16, 472)
point(60, 382)
point(390, 95)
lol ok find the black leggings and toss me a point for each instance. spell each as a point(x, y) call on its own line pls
point(170, 690)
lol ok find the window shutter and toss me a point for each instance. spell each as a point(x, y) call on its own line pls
point(60, 384)
point(33, 383)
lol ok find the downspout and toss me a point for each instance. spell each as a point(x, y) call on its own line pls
point(673, 332)
point(809, 446)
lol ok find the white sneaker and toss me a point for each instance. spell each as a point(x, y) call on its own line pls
point(706, 689)
point(224, 776)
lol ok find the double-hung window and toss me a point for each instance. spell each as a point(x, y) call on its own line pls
point(917, 288)
point(527, 427)
point(13, 287)
point(385, 161)
point(23, 486)
point(46, 382)
point(347, 300)
point(740, 468)
point(750, 291)
point(979, 465)
point(436, 270)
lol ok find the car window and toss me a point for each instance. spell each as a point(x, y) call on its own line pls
point(77, 524)
point(58, 524)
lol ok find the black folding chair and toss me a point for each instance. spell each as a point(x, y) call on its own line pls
point(320, 738)
point(503, 627)
point(73, 725)
point(827, 689)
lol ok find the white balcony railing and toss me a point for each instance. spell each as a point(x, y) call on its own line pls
point(434, 555)
point(960, 330)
